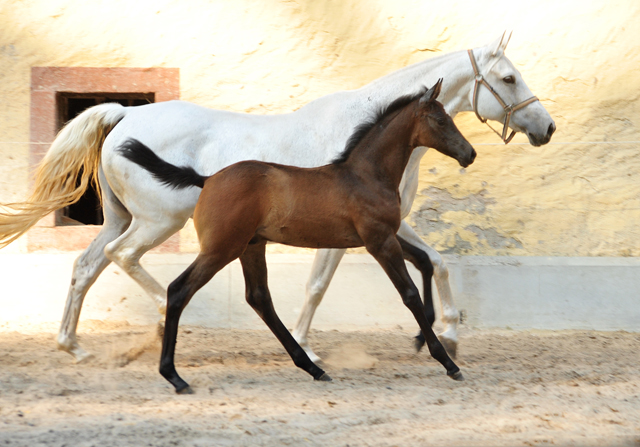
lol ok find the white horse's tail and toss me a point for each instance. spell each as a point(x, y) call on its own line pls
point(75, 153)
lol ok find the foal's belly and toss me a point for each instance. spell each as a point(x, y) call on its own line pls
point(312, 234)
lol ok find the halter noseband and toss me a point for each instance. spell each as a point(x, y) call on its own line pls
point(509, 109)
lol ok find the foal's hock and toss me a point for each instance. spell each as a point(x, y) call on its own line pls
point(350, 203)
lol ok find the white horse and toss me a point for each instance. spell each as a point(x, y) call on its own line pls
point(140, 214)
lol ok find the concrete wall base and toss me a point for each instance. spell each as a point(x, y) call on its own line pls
point(493, 292)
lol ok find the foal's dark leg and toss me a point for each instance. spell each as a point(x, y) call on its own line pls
point(422, 262)
point(179, 294)
point(254, 267)
point(390, 256)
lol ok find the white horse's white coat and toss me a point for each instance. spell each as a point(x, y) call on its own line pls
point(141, 214)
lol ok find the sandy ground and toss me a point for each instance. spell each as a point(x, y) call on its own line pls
point(521, 388)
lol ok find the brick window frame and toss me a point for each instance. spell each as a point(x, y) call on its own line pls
point(46, 84)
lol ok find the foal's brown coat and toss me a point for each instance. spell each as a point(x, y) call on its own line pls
point(350, 203)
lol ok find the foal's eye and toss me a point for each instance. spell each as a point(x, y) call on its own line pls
point(440, 121)
point(509, 79)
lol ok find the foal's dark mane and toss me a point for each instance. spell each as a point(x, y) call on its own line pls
point(363, 129)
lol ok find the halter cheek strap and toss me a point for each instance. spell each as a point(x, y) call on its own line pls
point(508, 109)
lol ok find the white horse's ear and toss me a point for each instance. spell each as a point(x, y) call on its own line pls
point(497, 47)
point(432, 93)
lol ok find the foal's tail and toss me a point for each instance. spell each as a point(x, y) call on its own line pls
point(174, 176)
point(64, 173)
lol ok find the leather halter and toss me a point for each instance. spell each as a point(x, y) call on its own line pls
point(509, 109)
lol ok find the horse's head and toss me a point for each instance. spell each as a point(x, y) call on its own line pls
point(528, 115)
point(436, 129)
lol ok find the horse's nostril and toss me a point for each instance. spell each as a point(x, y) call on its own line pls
point(552, 129)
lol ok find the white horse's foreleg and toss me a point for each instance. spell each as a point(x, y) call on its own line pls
point(86, 270)
point(324, 266)
point(126, 251)
point(449, 314)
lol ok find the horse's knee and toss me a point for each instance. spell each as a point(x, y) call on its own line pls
point(258, 298)
point(440, 268)
point(176, 297)
point(411, 298)
point(113, 253)
point(315, 291)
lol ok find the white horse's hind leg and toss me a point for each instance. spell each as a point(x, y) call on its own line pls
point(86, 270)
point(449, 314)
point(126, 251)
point(324, 266)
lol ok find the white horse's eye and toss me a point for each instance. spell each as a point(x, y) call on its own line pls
point(509, 79)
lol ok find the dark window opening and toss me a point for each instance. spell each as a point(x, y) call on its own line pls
point(87, 211)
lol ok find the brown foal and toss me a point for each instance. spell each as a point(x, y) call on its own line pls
point(352, 202)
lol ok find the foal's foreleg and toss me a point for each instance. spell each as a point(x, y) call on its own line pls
point(257, 293)
point(422, 262)
point(389, 254)
point(449, 314)
point(324, 266)
point(179, 294)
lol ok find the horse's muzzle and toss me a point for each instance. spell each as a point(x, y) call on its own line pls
point(540, 140)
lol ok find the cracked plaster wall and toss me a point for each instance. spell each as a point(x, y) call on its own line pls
point(570, 198)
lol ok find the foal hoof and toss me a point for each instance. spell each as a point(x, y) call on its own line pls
point(418, 342)
point(324, 378)
point(186, 390)
point(456, 376)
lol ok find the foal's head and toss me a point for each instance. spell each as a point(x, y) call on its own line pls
point(436, 129)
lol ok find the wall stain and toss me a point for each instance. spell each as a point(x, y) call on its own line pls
point(429, 223)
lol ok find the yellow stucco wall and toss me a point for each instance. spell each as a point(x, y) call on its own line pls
point(579, 196)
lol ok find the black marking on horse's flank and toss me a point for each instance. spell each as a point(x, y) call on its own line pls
point(363, 129)
point(174, 176)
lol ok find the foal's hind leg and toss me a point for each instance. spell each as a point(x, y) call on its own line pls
point(179, 294)
point(86, 270)
point(449, 314)
point(388, 253)
point(257, 293)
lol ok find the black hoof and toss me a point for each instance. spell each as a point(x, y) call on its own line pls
point(185, 390)
point(324, 378)
point(456, 376)
point(418, 342)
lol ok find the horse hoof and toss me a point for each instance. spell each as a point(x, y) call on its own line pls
point(418, 342)
point(456, 376)
point(324, 378)
point(450, 346)
point(186, 390)
point(83, 358)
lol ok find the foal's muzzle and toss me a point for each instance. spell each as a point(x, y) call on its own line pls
point(470, 159)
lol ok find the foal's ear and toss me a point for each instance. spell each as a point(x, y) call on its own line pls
point(497, 47)
point(432, 93)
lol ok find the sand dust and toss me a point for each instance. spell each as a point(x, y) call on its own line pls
point(521, 389)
